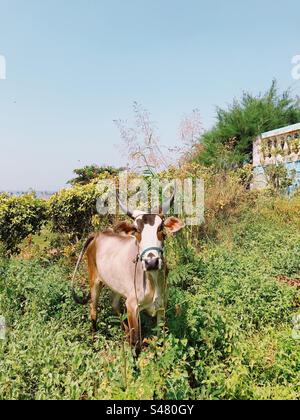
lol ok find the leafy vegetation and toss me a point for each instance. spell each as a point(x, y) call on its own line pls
point(279, 177)
point(19, 217)
point(229, 333)
point(71, 211)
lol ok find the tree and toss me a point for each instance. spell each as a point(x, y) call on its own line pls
point(229, 142)
point(91, 173)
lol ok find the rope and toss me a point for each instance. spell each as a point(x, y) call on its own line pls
point(138, 304)
point(165, 287)
point(137, 301)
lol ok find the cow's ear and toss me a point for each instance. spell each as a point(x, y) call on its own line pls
point(173, 225)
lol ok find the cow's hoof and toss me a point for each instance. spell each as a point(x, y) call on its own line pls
point(137, 350)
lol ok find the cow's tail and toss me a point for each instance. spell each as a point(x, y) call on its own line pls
point(85, 299)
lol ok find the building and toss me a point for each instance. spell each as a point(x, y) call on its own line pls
point(281, 146)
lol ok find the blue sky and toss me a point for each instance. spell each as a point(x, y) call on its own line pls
point(73, 66)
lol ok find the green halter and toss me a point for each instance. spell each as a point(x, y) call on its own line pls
point(152, 248)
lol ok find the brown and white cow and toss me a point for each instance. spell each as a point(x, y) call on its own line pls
point(130, 262)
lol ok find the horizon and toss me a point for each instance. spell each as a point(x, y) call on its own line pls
point(64, 84)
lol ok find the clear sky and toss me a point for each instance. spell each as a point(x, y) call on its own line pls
point(73, 66)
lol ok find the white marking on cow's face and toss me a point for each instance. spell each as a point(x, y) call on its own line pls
point(149, 226)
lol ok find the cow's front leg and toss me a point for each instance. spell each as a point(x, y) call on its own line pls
point(133, 323)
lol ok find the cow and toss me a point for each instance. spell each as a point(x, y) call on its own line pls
point(130, 262)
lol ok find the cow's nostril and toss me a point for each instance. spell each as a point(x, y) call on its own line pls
point(152, 264)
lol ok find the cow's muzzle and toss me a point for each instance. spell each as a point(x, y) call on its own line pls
point(152, 264)
point(152, 261)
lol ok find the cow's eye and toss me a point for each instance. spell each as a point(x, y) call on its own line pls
point(161, 233)
point(138, 235)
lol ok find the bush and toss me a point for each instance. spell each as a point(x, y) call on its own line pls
point(279, 178)
point(20, 217)
point(71, 211)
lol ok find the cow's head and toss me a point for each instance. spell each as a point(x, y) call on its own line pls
point(150, 230)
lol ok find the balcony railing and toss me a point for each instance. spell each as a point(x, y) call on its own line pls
point(278, 146)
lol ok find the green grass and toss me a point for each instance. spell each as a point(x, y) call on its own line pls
point(229, 327)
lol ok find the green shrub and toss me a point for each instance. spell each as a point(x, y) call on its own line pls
point(279, 178)
point(20, 217)
point(71, 211)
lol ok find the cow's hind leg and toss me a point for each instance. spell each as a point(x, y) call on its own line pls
point(95, 294)
point(116, 303)
point(95, 285)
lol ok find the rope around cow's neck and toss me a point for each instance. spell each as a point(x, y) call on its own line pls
point(138, 304)
point(137, 301)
